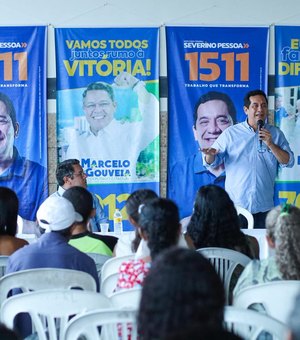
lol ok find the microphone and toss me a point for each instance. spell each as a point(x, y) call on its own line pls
point(260, 124)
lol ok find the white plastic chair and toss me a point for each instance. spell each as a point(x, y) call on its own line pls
point(127, 298)
point(225, 262)
point(20, 223)
point(112, 265)
point(249, 324)
point(247, 214)
point(276, 298)
point(109, 284)
point(99, 261)
point(45, 278)
point(115, 325)
point(3, 263)
point(54, 307)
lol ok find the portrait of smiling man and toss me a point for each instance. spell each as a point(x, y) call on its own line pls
point(113, 138)
point(27, 178)
point(214, 112)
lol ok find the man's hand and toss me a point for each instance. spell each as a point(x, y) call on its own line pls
point(210, 154)
point(265, 136)
point(125, 80)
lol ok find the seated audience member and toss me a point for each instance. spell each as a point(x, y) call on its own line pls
point(159, 226)
point(69, 173)
point(182, 298)
point(81, 238)
point(283, 232)
point(215, 223)
point(56, 215)
point(294, 321)
point(9, 206)
point(133, 202)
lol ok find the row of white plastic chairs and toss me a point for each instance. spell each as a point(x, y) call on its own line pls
point(93, 310)
point(39, 279)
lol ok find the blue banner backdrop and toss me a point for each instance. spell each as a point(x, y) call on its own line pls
point(113, 127)
point(23, 120)
point(227, 60)
point(287, 108)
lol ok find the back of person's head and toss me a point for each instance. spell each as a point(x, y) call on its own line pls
point(215, 95)
point(294, 320)
point(287, 236)
point(57, 214)
point(270, 223)
point(9, 206)
point(159, 222)
point(182, 290)
point(82, 201)
point(65, 168)
point(137, 198)
point(214, 222)
point(133, 202)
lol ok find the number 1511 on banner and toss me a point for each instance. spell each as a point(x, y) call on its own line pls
point(10, 60)
point(215, 63)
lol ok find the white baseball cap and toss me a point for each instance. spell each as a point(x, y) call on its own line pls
point(57, 213)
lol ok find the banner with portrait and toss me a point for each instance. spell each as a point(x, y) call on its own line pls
point(23, 119)
point(287, 108)
point(215, 63)
point(108, 109)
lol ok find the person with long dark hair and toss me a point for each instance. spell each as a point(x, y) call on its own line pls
point(215, 223)
point(182, 296)
point(159, 227)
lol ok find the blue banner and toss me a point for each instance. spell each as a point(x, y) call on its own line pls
point(287, 108)
point(207, 64)
point(108, 109)
point(23, 120)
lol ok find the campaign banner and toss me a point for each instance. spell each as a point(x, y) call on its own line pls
point(207, 63)
point(108, 109)
point(23, 119)
point(287, 108)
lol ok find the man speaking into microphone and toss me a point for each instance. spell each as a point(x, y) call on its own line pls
point(251, 151)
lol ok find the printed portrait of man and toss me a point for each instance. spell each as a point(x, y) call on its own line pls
point(213, 113)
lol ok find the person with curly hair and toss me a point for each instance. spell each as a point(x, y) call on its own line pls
point(283, 234)
point(182, 295)
point(287, 234)
point(215, 223)
point(159, 226)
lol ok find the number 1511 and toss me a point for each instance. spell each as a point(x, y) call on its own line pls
point(210, 61)
point(9, 59)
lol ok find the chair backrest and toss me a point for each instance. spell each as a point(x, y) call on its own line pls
point(276, 298)
point(112, 265)
point(115, 324)
point(249, 324)
point(127, 298)
point(109, 284)
point(225, 262)
point(52, 308)
point(247, 214)
point(3, 263)
point(45, 278)
point(99, 261)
